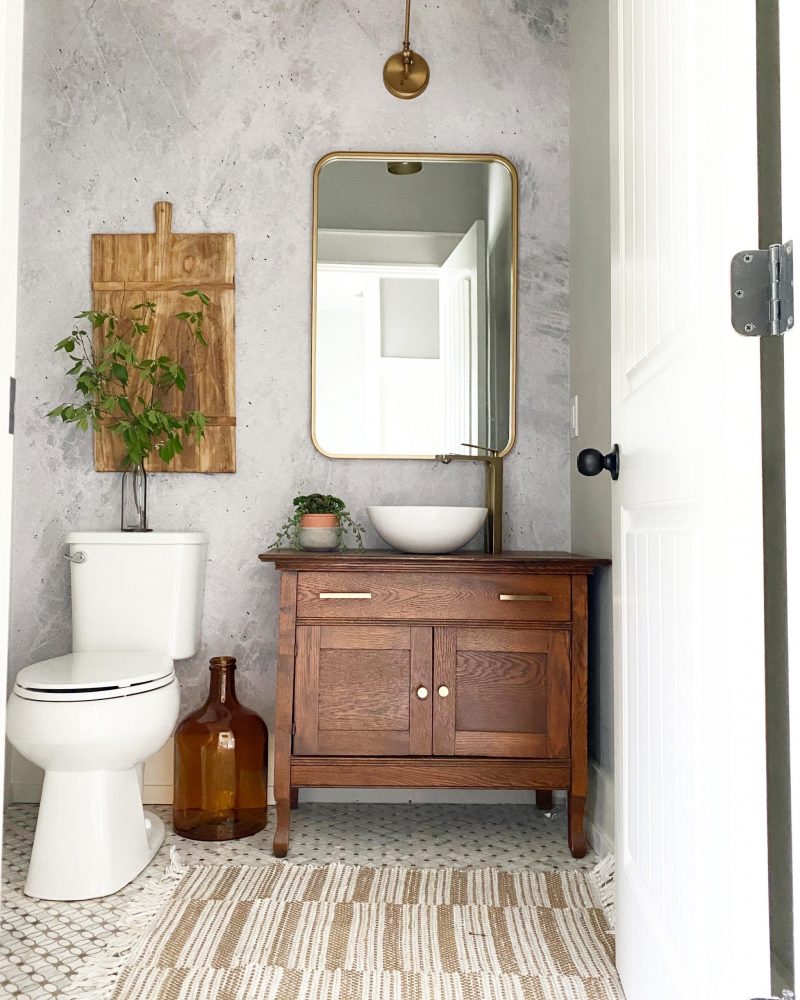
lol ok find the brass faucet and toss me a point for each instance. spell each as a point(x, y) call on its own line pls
point(493, 529)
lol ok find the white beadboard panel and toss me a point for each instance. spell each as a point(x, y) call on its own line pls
point(660, 604)
point(659, 284)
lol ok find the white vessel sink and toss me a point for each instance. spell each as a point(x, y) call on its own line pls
point(427, 529)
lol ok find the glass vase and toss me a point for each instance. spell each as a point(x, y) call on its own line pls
point(134, 499)
point(220, 764)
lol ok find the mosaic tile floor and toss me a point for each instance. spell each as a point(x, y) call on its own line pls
point(42, 944)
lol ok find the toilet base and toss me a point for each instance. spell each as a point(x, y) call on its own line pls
point(92, 836)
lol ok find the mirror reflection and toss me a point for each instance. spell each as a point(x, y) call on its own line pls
point(414, 305)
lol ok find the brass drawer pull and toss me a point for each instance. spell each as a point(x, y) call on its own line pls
point(526, 597)
point(345, 597)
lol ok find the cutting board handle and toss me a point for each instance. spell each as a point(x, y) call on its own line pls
point(163, 213)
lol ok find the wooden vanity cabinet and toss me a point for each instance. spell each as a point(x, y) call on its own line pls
point(457, 671)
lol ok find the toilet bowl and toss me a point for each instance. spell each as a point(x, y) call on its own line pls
point(89, 719)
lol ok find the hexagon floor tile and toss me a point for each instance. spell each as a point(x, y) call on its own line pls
point(43, 944)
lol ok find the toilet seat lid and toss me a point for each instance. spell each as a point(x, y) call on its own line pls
point(95, 672)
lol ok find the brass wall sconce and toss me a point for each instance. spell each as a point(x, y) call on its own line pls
point(406, 73)
point(402, 168)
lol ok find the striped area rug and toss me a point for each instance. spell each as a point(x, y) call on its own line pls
point(340, 932)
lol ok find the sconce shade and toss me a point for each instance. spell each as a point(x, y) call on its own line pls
point(401, 168)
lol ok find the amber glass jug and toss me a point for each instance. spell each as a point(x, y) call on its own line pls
point(221, 764)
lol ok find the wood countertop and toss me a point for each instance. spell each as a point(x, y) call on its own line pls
point(351, 560)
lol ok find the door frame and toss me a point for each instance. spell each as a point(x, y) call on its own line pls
point(11, 24)
point(783, 21)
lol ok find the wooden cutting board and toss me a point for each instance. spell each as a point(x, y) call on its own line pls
point(159, 267)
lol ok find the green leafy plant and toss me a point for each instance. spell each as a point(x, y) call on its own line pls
point(317, 503)
point(123, 389)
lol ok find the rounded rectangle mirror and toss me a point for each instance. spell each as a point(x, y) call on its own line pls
point(413, 304)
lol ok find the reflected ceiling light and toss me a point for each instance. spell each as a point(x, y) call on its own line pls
point(406, 73)
point(401, 168)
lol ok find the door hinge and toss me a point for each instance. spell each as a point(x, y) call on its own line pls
point(762, 291)
point(294, 729)
point(12, 402)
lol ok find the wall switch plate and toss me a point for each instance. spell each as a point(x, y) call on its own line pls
point(573, 417)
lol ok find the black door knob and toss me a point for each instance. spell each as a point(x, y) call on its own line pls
point(591, 462)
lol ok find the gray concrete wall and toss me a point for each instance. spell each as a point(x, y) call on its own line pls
point(223, 109)
point(590, 366)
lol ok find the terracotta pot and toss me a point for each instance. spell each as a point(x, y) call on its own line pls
point(319, 521)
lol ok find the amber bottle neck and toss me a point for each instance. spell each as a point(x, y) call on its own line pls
point(222, 687)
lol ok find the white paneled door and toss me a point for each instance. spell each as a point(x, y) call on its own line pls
point(462, 322)
point(689, 647)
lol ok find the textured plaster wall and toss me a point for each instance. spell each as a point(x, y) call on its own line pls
point(223, 109)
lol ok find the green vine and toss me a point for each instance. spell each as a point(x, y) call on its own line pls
point(126, 391)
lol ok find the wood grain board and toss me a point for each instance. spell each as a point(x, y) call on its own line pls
point(131, 268)
point(426, 772)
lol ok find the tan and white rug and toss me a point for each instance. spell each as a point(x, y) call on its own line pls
point(341, 932)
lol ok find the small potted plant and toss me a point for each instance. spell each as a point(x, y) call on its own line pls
point(318, 524)
point(124, 390)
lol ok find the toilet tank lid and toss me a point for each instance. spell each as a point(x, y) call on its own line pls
point(136, 538)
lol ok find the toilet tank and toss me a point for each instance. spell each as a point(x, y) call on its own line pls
point(137, 591)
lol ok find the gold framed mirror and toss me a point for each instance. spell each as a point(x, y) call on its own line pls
point(414, 304)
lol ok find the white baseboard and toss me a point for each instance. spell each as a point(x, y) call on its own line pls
point(600, 810)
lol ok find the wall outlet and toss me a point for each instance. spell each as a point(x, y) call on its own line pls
point(573, 417)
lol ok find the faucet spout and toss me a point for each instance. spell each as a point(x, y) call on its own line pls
point(493, 466)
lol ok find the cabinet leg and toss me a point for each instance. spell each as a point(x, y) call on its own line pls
point(577, 837)
point(280, 845)
point(293, 797)
point(544, 800)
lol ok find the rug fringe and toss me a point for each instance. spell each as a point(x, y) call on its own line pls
point(602, 879)
point(98, 977)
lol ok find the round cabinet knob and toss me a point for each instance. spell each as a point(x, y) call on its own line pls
point(422, 693)
point(444, 691)
point(592, 462)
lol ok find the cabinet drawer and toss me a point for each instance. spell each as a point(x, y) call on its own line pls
point(433, 597)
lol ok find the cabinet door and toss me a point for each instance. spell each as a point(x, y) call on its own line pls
point(363, 690)
point(501, 692)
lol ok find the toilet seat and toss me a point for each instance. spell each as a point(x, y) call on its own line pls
point(94, 676)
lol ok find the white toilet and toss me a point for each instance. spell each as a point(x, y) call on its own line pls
point(90, 718)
